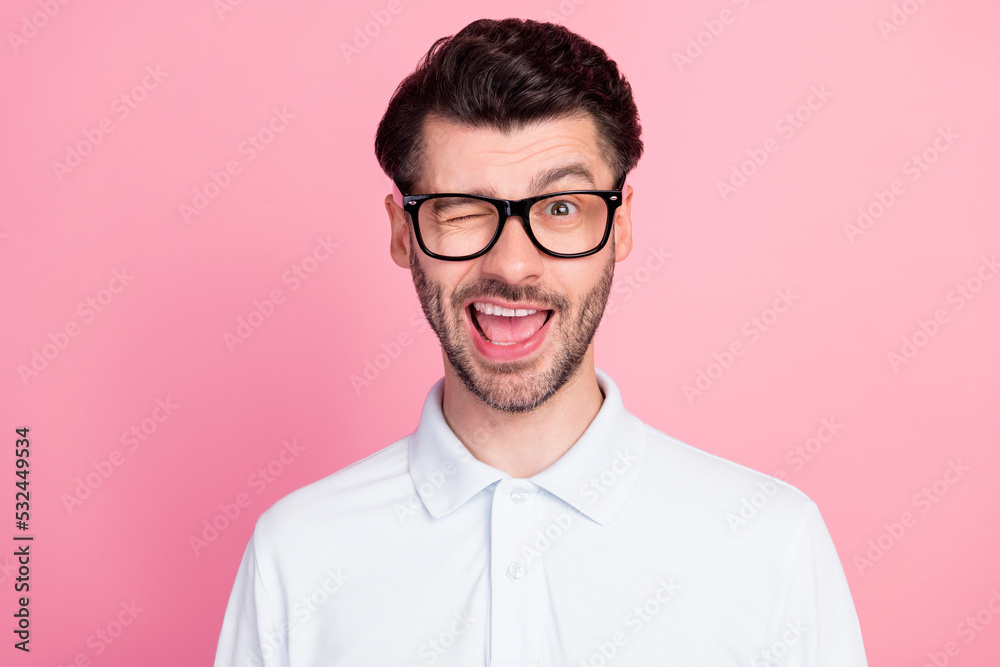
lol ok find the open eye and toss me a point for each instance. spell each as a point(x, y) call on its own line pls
point(560, 208)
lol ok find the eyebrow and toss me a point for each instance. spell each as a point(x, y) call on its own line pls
point(542, 181)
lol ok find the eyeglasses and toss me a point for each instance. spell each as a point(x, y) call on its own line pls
point(456, 227)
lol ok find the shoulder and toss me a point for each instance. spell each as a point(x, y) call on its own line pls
point(365, 486)
point(718, 488)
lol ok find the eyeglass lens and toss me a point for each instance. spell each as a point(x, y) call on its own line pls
point(458, 226)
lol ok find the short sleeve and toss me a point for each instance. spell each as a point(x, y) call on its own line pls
point(251, 636)
point(818, 625)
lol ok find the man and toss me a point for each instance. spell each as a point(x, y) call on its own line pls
point(530, 519)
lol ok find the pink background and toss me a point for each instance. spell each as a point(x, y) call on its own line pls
point(161, 335)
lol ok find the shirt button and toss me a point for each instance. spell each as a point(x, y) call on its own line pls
point(519, 496)
point(516, 570)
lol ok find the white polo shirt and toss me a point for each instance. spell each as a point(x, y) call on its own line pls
point(632, 549)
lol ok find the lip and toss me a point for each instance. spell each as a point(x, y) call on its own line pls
point(506, 353)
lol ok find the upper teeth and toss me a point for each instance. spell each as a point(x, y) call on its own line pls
point(492, 309)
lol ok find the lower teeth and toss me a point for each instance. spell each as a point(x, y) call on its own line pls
point(497, 343)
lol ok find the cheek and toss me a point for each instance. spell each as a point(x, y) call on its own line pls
point(583, 278)
point(450, 277)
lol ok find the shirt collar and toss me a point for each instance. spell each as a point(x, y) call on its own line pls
point(595, 476)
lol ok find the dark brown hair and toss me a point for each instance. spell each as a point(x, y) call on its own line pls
point(504, 75)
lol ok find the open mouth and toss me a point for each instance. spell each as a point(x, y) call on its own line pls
point(506, 326)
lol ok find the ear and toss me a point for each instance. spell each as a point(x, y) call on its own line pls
point(399, 234)
point(623, 227)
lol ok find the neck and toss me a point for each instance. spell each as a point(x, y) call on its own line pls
point(523, 444)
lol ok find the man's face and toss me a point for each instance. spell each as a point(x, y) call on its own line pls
point(513, 361)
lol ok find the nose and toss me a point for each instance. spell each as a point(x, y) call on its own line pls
point(514, 259)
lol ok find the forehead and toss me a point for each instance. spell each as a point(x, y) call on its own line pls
point(458, 158)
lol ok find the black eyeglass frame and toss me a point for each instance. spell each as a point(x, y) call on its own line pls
point(508, 208)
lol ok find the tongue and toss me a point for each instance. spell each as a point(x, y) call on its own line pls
point(500, 329)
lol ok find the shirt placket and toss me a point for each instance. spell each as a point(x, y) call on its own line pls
point(515, 584)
